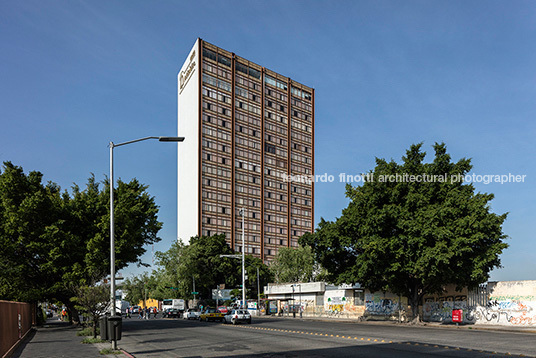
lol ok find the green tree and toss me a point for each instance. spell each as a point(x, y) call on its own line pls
point(293, 265)
point(412, 237)
point(170, 263)
point(92, 300)
point(201, 261)
point(266, 276)
point(51, 242)
point(139, 288)
point(32, 230)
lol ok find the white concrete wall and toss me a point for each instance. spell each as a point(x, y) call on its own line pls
point(188, 151)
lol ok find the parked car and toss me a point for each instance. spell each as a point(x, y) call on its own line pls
point(223, 309)
point(191, 313)
point(237, 316)
point(211, 314)
point(171, 313)
point(135, 309)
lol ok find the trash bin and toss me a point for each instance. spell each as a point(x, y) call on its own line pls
point(103, 325)
point(115, 326)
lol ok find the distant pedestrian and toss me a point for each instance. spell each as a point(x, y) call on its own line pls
point(140, 313)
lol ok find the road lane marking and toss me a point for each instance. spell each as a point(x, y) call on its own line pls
point(359, 338)
point(310, 333)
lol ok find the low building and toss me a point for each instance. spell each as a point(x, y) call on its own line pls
point(509, 303)
point(324, 300)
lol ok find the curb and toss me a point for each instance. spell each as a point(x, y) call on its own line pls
point(126, 353)
point(530, 330)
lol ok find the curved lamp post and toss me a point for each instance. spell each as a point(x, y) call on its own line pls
point(112, 238)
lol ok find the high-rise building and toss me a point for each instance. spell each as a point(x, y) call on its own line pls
point(248, 130)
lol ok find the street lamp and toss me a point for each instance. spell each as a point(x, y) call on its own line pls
point(112, 237)
point(243, 262)
point(241, 212)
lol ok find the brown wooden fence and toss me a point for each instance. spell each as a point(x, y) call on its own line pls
point(16, 320)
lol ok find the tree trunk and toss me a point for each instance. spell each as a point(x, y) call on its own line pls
point(414, 300)
point(95, 322)
point(74, 317)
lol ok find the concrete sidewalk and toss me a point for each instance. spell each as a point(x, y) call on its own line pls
point(58, 339)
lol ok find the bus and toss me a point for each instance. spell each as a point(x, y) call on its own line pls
point(175, 303)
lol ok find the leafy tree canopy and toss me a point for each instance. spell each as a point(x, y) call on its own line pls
point(201, 261)
point(51, 241)
point(412, 237)
point(294, 265)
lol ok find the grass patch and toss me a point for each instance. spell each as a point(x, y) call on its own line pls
point(88, 331)
point(93, 340)
point(109, 351)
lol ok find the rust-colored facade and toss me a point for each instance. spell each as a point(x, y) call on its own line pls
point(256, 131)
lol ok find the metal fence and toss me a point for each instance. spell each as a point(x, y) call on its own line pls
point(16, 319)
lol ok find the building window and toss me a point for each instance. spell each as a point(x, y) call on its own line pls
point(224, 60)
point(209, 54)
point(359, 298)
point(269, 148)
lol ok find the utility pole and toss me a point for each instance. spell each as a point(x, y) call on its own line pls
point(258, 294)
point(300, 303)
point(243, 213)
point(194, 291)
point(145, 300)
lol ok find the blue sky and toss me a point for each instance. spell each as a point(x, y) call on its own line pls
point(75, 75)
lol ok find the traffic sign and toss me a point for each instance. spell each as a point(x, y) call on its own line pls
point(195, 293)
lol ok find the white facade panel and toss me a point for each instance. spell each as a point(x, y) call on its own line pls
point(188, 151)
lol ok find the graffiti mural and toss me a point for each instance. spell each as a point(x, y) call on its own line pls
point(499, 312)
point(378, 304)
point(442, 311)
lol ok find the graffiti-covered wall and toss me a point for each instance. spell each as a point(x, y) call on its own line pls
point(384, 304)
point(441, 311)
point(342, 303)
point(510, 303)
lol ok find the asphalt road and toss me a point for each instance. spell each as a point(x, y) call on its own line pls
point(273, 337)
